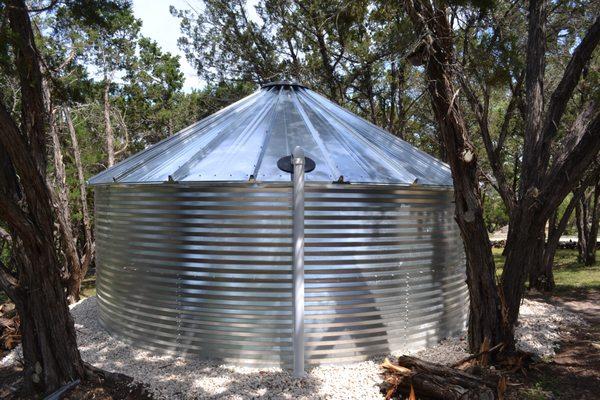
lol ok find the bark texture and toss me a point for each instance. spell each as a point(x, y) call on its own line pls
point(485, 316)
point(48, 335)
point(543, 185)
point(76, 265)
point(541, 276)
point(60, 196)
point(587, 220)
point(87, 227)
point(82, 261)
point(108, 130)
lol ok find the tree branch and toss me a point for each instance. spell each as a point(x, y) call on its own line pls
point(562, 176)
point(512, 105)
point(564, 90)
point(479, 110)
point(45, 8)
point(577, 194)
point(15, 217)
point(8, 283)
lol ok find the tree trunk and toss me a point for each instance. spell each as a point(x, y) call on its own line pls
point(62, 209)
point(78, 274)
point(485, 315)
point(587, 220)
point(75, 270)
point(543, 187)
point(48, 335)
point(393, 95)
point(541, 276)
point(81, 177)
point(537, 274)
point(581, 223)
point(327, 68)
point(522, 245)
point(544, 280)
point(110, 138)
point(590, 258)
point(402, 109)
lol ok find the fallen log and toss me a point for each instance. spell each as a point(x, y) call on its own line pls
point(434, 381)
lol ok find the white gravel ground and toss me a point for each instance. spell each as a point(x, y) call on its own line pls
point(171, 377)
point(540, 326)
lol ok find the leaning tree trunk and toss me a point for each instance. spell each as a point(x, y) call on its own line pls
point(60, 195)
point(108, 130)
point(75, 269)
point(485, 315)
point(590, 258)
point(543, 279)
point(48, 334)
point(587, 219)
point(87, 229)
point(77, 274)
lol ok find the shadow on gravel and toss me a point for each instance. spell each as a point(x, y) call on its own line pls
point(574, 373)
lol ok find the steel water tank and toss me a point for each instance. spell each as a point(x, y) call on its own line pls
point(193, 238)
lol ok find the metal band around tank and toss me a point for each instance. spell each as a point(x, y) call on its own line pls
point(206, 269)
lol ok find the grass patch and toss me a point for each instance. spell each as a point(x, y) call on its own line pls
point(88, 287)
point(570, 275)
point(539, 391)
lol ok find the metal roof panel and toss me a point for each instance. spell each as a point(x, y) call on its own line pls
point(247, 138)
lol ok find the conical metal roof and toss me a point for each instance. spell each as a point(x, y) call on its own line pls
point(245, 140)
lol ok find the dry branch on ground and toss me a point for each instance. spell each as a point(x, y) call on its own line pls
point(425, 380)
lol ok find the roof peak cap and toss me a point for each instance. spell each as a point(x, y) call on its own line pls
point(284, 83)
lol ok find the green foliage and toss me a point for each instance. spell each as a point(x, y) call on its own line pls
point(244, 48)
point(537, 392)
point(353, 52)
point(150, 95)
point(570, 275)
point(495, 213)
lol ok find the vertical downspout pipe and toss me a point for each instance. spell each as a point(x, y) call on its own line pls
point(298, 161)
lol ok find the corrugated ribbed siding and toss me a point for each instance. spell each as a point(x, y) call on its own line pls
point(206, 270)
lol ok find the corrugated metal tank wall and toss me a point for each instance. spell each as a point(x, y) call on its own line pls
point(206, 269)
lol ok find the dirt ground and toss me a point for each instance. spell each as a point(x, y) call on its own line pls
point(574, 373)
point(118, 387)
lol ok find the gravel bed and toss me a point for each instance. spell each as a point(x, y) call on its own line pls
point(540, 325)
point(171, 377)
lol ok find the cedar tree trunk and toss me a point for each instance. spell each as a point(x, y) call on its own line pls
point(485, 316)
point(108, 130)
point(48, 335)
point(587, 219)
